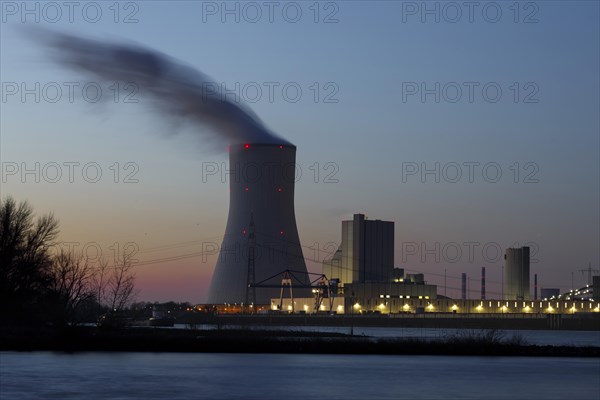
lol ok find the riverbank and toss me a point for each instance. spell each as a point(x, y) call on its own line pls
point(83, 339)
point(513, 321)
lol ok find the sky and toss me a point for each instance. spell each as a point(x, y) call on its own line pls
point(474, 129)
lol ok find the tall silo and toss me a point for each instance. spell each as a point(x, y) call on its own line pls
point(516, 273)
point(262, 179)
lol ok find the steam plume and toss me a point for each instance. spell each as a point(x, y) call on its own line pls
point(178, 90)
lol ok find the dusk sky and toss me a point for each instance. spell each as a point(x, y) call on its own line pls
point(363, 128)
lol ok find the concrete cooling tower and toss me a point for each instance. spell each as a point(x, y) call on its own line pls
point(262, 178)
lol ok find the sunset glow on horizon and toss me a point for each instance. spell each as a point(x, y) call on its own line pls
point(471, 137)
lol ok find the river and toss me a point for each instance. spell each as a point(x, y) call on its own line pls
point(90, 376)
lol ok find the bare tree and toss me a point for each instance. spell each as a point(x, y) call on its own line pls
point(77, 283)
point(120, 290)
point(101, 280)
point(114, 287)
point(72, 284)
point(25, 259)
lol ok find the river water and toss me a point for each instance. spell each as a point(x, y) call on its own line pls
point(47, 375)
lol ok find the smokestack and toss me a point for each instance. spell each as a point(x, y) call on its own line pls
point(261, 184)
point(535, 287)
point(482, 283)
point(464, 286)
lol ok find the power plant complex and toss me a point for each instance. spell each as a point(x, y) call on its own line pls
point(391, 291)
point(261, 257)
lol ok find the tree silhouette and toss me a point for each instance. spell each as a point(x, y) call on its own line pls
point(71, 286)
point(25, 259)
point(115, 288)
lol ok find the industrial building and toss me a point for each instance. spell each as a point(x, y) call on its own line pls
point(366, 282)
point(364, 263)
point(363, 270)
point(366, 253)
point(516, 274)
point(349, 305)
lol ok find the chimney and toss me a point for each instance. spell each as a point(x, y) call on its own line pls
point(482, 283)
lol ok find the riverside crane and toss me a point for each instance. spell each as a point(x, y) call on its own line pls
point(322, 287)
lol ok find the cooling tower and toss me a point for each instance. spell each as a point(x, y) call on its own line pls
point(262, 178)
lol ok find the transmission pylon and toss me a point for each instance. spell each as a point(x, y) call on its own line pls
point(250, 288)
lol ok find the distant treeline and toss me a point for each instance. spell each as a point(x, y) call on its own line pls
point(40, 285)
